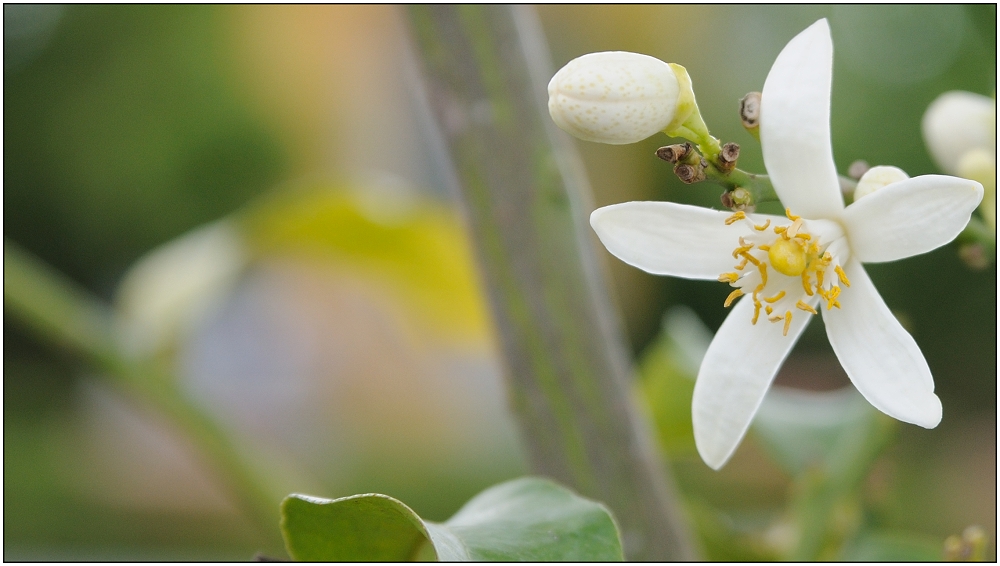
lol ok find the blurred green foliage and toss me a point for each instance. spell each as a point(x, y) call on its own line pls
point(127, 130)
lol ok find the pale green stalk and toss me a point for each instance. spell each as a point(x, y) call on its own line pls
point(527, 203)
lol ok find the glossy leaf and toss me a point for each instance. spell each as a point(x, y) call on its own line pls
point(528, 519)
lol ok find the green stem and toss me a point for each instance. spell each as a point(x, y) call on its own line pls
point(759, 186)
point(60, 312)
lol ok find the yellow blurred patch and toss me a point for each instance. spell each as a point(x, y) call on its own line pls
point(422, 254)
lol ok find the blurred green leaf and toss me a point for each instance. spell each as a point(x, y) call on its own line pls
point(828, 441)
point(667, 370)
point(806, 429)
point(527, 519)
point(880, 546)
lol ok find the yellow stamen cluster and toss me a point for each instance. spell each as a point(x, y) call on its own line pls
point(794, 253)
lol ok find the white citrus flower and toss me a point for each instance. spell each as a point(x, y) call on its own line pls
point(790, 268)
point(617, 97)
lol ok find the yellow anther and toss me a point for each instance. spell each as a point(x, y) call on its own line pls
point(788, 257)
point(762, 227)
point(803, 236)
point(768, 309)
point(805, 284)
point(742, 249)
point(831, 298)
point(780, 229)
point(775, 318)
point(741, 265)
point(792, 217)
point(763, 274)
point(756, 310)
point(805, 307)
point(728, 278)
point(764, 247)
point(750, 258)
point(827, 257)
point(842, 276)
point(788, 322)
point(732, 297)
point(738, 215)
point(776, 298)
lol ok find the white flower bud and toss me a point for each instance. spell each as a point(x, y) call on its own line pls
point(614, 97)
point(876, 178)
point(957, 122)
point(981, 165)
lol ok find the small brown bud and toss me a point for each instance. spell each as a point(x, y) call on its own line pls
point(750, 110)
point(675, 153)
point(858, 169)
point(728, 156)
point(974, 256)
point(690, 173)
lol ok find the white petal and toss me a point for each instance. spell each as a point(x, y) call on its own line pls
point(910, 217)
point(736, 372)
point(882, 360)
point(957, 122)
point(795, 125)
point(666, 238)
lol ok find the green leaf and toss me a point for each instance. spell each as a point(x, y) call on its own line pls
point(883, 546)
point(527, 519)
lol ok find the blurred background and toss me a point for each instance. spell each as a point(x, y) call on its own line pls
point(253, 191)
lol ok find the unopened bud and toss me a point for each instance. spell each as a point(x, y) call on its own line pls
point(876, 178)
point(957, 122)
point(750, 112)
point(728, 156)
point(614, 97)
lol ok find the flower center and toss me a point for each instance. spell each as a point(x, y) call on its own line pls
point(806, 267)
point(787, 256)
